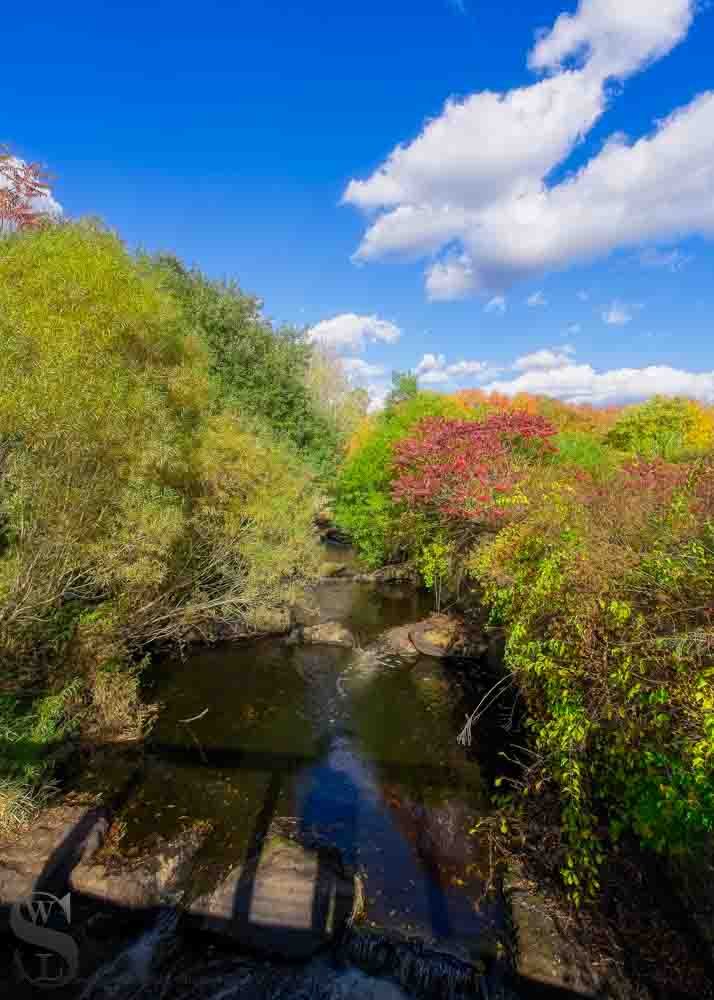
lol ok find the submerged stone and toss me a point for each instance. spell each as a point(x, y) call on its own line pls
point(329, 634)
point(289, 902)
point(144, 883)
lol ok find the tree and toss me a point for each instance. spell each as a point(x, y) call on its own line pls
point(405, 386)
point(257, 369)
point(21, 186)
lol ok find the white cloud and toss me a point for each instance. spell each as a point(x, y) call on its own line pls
point(537, 299)
point(359, 369)
point(576, 383)
point(496, 304)
point(545, 359)
point(617, 314)
point(448, 188)
point(434, 369)
point(348, 331)
point(378, 393)
point(451, 278)
point(615, 38)
point(670, 260)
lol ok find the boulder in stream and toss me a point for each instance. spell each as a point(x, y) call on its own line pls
point(444, 636)
point(397, 640)
point(328, 634)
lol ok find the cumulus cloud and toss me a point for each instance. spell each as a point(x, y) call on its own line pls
point(378, 393)
point(356, 368)
point(348, 331)
point(617, 314)
point(614, 38)
point(545, 359)
point(452, 278)
point(496, 304)
point(448, 188)
point(580, 383)
point(537, 299)
point(434, 369)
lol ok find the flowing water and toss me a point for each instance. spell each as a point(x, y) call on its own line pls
point(352, 748)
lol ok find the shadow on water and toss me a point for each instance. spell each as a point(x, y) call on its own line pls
point(130, 973)
point(351, 751)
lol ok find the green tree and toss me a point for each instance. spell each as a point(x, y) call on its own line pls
point(259, 370)
point(405, 385)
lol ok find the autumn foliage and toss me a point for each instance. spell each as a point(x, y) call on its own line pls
point(21, 186)
point(467, 470)
point(588, 535)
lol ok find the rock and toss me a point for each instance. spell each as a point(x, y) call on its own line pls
point(333, 570)
point(289, 902)
point(397, 640)
point(692, 879)
point(437, 636)
point(336, 537)
point(545, 957)
point(43, 857)
point(142, 884)
point(400, 573)
point(330, 634)
point(323, 518)
point(447, 636)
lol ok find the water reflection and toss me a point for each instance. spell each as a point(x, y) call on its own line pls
point(354, 748)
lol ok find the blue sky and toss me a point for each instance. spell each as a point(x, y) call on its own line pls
point(309, 152)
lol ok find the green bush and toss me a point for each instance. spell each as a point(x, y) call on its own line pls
point(663, 427)
point(606, 596)
point(581, 450)
point(258, 370)
point(363, 505)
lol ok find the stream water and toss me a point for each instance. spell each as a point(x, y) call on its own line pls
point(353, 748)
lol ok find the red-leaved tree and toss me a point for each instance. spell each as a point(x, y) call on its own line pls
point(465, 470)
point(21, 185)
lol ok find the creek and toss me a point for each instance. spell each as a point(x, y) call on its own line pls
point(350, 749)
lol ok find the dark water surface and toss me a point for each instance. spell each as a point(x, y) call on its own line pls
point(355, 748)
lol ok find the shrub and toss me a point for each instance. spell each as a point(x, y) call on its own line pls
point(580, 450)
point(30, 735)
point(665, 428)
point(261, 371)
point(466, 470)
point(364, 507)
point(607, 595)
